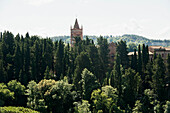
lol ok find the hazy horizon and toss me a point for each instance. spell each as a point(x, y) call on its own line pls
point(48, 18)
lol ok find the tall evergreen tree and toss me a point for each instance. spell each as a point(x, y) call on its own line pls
point(96, 62)
point(59, 67)
point(123, 53)
point(158, 78)
point(8, 47)
point(131, 81)
point(17, 62)
point(27, 62)
point(82, 61)
point(89, 83)
point(168, 66)
point(116, 75)
point(103, 52)
point(139, 61)
point(143, 57)
point(2, 70)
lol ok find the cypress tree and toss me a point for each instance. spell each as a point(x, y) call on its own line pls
point(116, 75)
point(123, 53)
point(103, 52)
point(135, 60)
point(17, 62)
point(59, 67)
point(168, 64)
point(2, 70)
point(147, 55)
point(144, 57)
point(158, 78)
point(96, 62)
point(82, 61)
point(139, 61)
point(0, 36)
point(17, 38)
point(27, 60)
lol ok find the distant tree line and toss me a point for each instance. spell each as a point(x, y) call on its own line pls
point(54, 77)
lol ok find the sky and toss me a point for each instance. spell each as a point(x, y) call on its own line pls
point(48, 18)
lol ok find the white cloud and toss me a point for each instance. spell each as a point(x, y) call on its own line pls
point(164, 33)
point(133, 26)
point(38, 2)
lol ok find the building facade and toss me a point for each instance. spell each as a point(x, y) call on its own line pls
point(159, 50)
point(76, 31)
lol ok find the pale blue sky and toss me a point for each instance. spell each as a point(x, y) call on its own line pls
point(149, 18)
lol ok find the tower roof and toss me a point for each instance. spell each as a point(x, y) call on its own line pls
point(76, 25)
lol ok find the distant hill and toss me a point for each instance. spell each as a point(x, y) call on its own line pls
point(127, 37)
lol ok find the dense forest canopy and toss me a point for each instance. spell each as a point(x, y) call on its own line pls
point(51, 76)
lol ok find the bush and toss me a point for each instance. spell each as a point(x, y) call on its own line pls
point(12, 109)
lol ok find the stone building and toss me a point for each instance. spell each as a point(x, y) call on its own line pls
point(132, 53)
point(163, 51)
point(76, 31)
point(159, 50)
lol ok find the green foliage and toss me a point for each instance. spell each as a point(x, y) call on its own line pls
point(105, 100)
point(82, 107)
point(139, 67)
point(19, 92)
point(82, 61)
point(11, 109)
point(116, 75)
point(132, 82)
point(6, 96)
point(79, 71)
point(158, 78)
point(50, 95)
point(122, 51)
point(167, 107)
point(59, 67)
point(89, 83)
point(103, 54)
point(131, 47)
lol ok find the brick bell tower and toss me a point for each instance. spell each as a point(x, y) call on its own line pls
point(76, 32)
